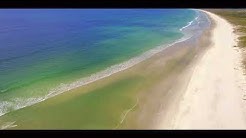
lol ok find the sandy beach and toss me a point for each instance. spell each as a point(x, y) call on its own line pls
point(195, 84)
point(214, 98)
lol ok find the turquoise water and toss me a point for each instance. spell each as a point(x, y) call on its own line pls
point(42, 49)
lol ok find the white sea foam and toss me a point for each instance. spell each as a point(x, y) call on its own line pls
point(125, 113)
point(17, 103)
point(109, 71)
point(189, 23)
point(8, 125)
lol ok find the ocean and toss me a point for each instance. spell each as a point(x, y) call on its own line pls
point(45, 52)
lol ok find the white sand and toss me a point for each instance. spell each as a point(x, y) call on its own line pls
point(214, 96)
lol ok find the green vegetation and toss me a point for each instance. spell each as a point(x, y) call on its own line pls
point(238, 18)
point(242, 41)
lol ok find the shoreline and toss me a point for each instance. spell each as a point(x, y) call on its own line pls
point(121, 89)
point(62, 88)
point(214, 96)
point(168, 117)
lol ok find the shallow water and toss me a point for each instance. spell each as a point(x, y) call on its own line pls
point(104, 103)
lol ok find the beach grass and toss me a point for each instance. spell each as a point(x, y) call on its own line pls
point(238, 18)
